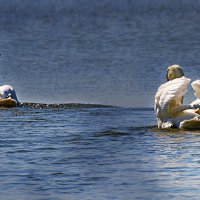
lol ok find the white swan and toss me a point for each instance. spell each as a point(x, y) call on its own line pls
point(168, 102)
point(8, 96)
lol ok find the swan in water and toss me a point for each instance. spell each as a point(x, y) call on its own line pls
point(169, 101)
point(8, 96)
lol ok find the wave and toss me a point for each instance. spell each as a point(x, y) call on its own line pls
point(112, 132)
point(146, 128)
point(127, 131)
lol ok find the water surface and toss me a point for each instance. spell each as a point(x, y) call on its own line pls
point(102, 53)
point(101, 153)
point(108, 52)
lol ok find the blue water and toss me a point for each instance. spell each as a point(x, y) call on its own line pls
point(107, 52)
point(95, 153)
point(95, 52)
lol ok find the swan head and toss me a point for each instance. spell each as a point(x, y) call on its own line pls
point(174, 71)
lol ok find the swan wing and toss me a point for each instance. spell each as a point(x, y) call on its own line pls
point(169, 91)
point(196, 87)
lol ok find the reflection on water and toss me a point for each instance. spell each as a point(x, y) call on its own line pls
point(99, 152)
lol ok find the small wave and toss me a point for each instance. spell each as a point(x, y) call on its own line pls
point(62, 105)
point(127, 131)
point(112, 133)
point(146, 128)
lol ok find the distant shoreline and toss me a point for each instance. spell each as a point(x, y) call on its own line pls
point(74, 105)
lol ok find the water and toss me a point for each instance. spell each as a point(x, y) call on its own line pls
point(113, 53)
point(95, 153)
point(95, 52)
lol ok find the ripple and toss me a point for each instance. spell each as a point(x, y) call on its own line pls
point(112, 133)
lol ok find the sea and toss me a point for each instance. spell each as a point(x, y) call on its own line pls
point(86, 73)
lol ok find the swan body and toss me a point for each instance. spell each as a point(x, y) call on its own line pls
point(169, 108)
point(8, 96)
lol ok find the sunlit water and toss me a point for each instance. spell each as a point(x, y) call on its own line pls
point(95, 153)
point(101, 52)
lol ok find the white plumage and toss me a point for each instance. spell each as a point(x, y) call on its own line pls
point(169, 108)
point(196, 87)
point(7, 91)
point(171, 90)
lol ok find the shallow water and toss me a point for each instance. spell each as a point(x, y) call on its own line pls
point(95, 153)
